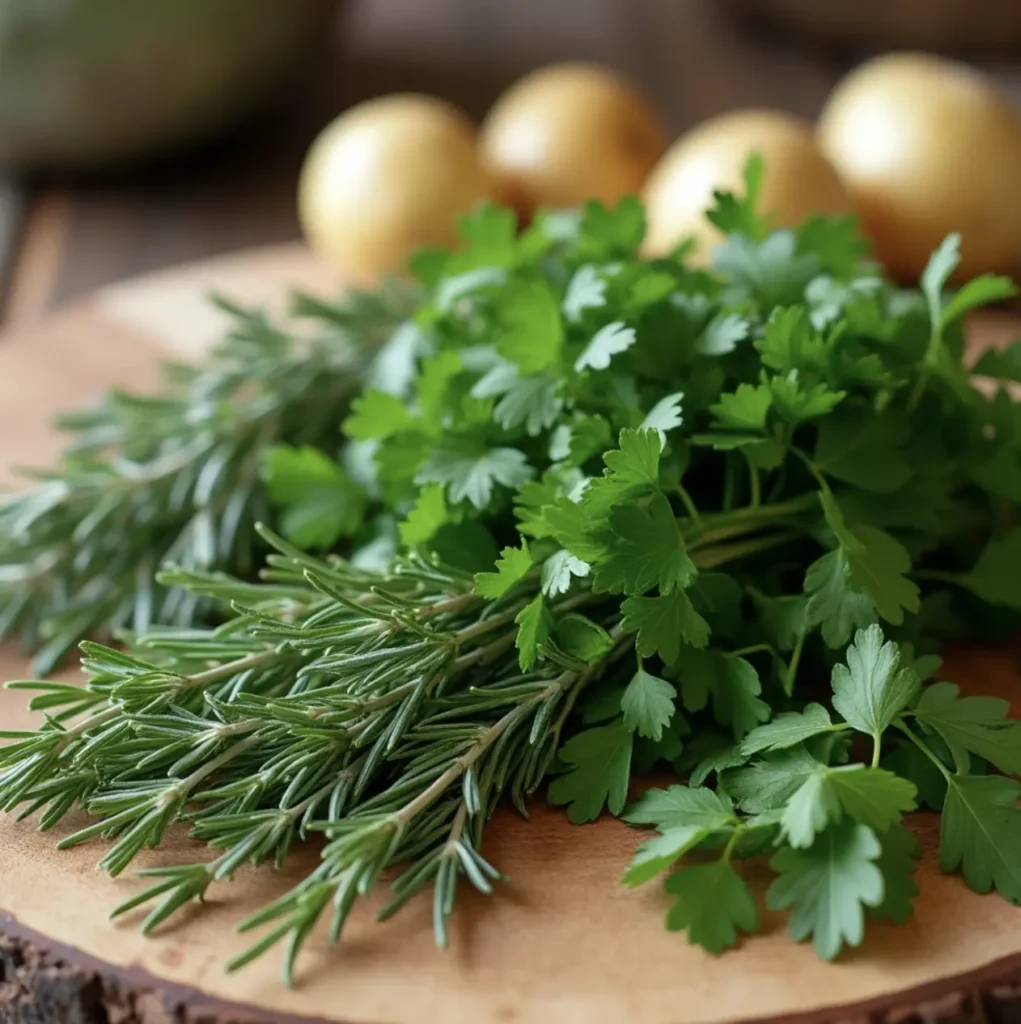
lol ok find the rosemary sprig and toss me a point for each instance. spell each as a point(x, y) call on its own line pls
point(175, 476)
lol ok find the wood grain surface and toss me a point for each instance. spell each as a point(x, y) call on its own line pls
point(562, 941)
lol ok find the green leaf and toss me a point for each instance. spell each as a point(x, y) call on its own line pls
point(713, 905)
point(783, 618)
point(771, 271)
point(611, 232)
point(599, 763)
point(828, 886)
point(490, 233)
point(511, 567)
point(582, 639)
point(433, 386)
point(648, 704)
point(607, 342)
point(978, 725)
point(789, 344)
point(1004, 364)
point(788, 729)
point(533, 331)
point(377, 415)
point(427, 515)
point(872, 690)
point(321, 502)
point(836, 241)
point(635, 462)
point(533, 402)
point(585, 290)
point(980, 833)
point(681, 805)
point(664, 415)
point(872, 796)
point(734, 214)
point(979, 291)
point(996, 577)
point(471, 477)
point(730, 682)
point(534, 621)
point(942, 263)
point(662, 623)
point(900, 851)
point(810, 809)
point(559, 570)
point(834, 602)
point(647, 550)
point(768, 784)
point(798, 404)
point(659, 853)
point(862, 449)
point(744, 409)
point(876, 564)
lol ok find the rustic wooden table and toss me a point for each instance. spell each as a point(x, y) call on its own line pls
point(61, 238)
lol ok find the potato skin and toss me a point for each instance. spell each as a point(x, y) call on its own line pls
point(568, 133)
point(386, 178)
point(927, 146)
point(798, 180)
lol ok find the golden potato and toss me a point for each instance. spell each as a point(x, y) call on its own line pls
point(568, 133)
point(798, 180)
point(927, 146)
point(386, 178)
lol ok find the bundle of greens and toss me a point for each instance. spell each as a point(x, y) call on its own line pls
point(625, 520)
point(175, 476)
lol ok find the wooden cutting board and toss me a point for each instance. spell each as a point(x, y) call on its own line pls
point(562, 942)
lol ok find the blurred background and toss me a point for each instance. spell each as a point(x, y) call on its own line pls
point(139, 133)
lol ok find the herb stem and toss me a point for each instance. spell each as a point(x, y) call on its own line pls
point(755, 485)
point(792, 665)
point(710, 558)
point(944, 771)
point(689, 504)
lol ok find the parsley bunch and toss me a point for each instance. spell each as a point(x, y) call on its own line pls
point(616, 516)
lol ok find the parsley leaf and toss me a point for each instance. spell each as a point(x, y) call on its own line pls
point(320, 500)
point(647, 550)
point(472, 477)
point(768, 784)
point(834, 602)
point(664, 415)
point(872, 690)
point(648, 704)
point(607, 342)
point(427, 515)
point(599, 763)
point(900, 851)
point(713, 905)
point(788, 729)
point(734, 214)
point(558, 571)
point(980, 832)
point(729, 681)
point(582, 639)
point(744, 409)
point(533, 623)
point(511, 567)
point(1004, 364)
point(377, 415)
point(534, 333)
point(828, 886)
point(662, 623)
point(998, 570)
point(978, 725)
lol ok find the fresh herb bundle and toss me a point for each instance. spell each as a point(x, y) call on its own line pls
point(703, 482)
point(175, 476)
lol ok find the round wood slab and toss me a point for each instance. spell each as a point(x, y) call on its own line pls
point(563, 941)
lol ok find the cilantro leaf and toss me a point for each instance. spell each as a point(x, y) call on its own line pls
point(997, 571)
point(320, 500)
point(713, 904)
point(599, 762)
point(978, 725)
point(730, 682)
point(534, 332)
point(872, 690)
point(980, 832)
point(608, 341)
point(647, 550)
point(471, 477)
point(662, 623)
point(648, 704)
point(787, 730)
point(425, 518)
point(533, 621)
point(828, 886)
point(559, 569)
point(900, 851)
point(376, 415)
point(511, 567)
